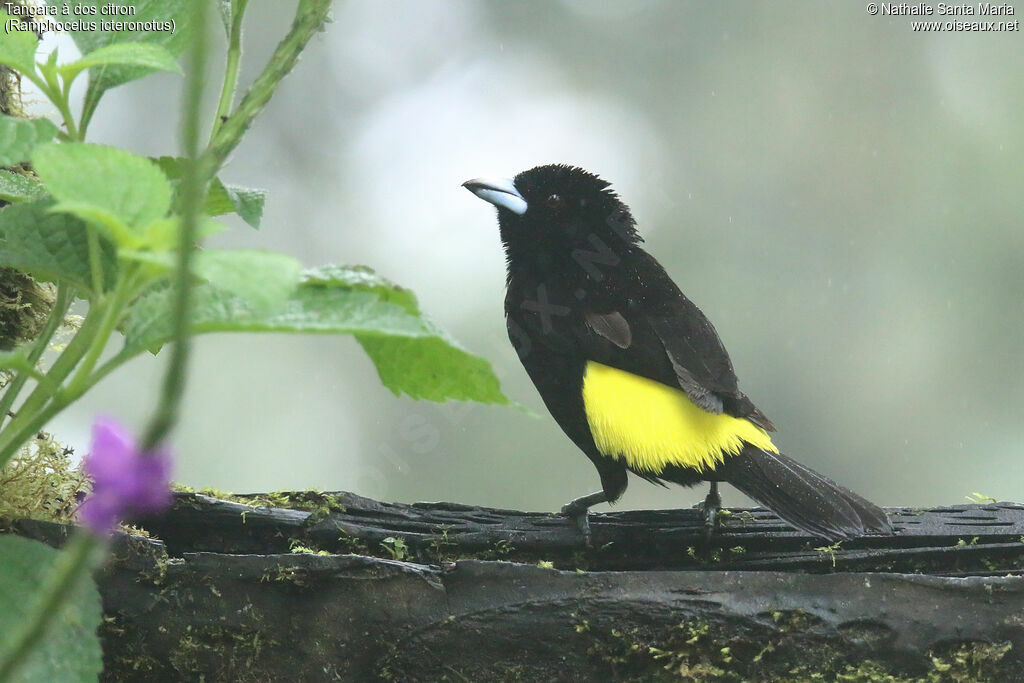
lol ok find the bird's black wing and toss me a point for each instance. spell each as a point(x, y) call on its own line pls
point(641, 323)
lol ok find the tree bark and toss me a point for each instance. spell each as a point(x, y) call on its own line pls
point(347, 588)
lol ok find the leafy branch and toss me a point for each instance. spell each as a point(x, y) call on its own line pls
point(124, 233)
point(128, 219)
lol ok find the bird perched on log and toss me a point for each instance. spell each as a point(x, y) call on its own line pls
point(631, 369)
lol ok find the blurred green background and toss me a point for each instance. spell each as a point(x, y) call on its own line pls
point(841, 195)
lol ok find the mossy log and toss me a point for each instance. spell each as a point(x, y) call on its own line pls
point(340, 587)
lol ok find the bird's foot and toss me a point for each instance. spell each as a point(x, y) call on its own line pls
point(576, 510)
point(579, 517)
point(710, 507)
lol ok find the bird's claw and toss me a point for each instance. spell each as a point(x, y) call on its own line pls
point(580, 518)
point(710, 522)
point(710, 507)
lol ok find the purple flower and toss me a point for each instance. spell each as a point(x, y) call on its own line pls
point(126, 481)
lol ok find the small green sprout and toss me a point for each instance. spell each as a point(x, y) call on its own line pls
point(395, 547)
point(831, 550)
point(979, 498)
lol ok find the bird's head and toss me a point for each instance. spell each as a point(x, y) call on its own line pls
point(557, 206)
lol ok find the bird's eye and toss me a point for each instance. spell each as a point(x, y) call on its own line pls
point(554, 201)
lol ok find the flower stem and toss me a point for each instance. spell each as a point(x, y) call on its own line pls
point(111, 315)
point(231, 68)
point(73, 562)
point(192, 190)
point(309, 17)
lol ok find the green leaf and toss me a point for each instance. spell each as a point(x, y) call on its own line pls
point(18, 45)
point(50, 246)
point(163, 234)
point(244, 201)
point(18, 137)
point(363, 278)
point(309, 309)
point(15, 187)
point(432, 368)
point(147, 55)
point(412, 355)
point(263, 279)
point(71, 649)
point(221, 198)
point(168, 23)
point(247, 202)
point(111, 181)
point(111, 226)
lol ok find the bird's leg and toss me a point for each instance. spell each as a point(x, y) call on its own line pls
point(710, 507)
point(576, 510)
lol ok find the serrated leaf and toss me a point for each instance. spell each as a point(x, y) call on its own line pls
point(15, 187)
point(109, 225)
point(50, 246)
point(172, 27)
point(263, 279)
point(413, 356)
point(71, 649)
point(221, 198)
point(363, 278)
point(432, 368)
point(145, 55)
point(116, 182)
point(247, 202)
point(307, 310)
point(18, 45)
point(244, 201)
point(18, 137)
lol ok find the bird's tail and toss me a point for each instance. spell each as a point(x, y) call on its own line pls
point(801, 496)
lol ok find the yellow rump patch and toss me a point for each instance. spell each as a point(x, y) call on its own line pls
point(650, 425)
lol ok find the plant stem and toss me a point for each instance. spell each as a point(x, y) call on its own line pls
point(83, 352)
point(60, 101)
point(69, 122)
point(74, 133)
point(199, 169)
point(26, 422)
point(95, 267)
point(111, 315)
point(88, 344)
point(37, 422)
point(192, 190)
point(309, 17)
point(71, 564)
point(231, 68)
point(49, 87)
point(65, 295)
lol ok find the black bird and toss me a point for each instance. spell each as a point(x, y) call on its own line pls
point(631, 369)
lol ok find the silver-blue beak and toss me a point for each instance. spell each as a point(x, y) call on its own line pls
point(501, 192)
